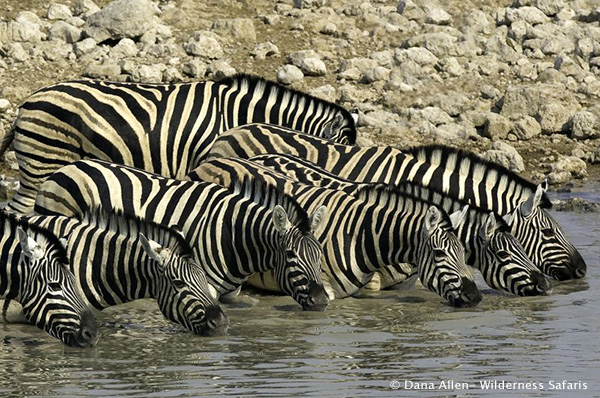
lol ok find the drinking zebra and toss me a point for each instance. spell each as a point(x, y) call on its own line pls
point(162, 128)
point(233, 233)
point(117, 259)
point(379, 228)
point(460, 175)
point(34, 273)
point(489, 246)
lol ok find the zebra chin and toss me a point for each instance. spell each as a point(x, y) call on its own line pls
point(539, 286)
point(317, 298)
point(573, 268)
point(86, 336)
point(468, 295)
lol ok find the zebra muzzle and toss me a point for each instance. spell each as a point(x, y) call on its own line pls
point(317, 299)
point(469, 295)
point(217, 322)
point(87, 335)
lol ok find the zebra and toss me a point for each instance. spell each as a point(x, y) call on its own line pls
point(162, 128)
point(34, 273)
point(489, 246)
point(234, 233)
point(363, 236)
point(117, 258)
point(452, 172)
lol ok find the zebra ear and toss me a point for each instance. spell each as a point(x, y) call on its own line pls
point(318, 218)
point(280, 219)
point(486, 231)
point(432, 219)
point(64, 242)
point(354, 112)
point(509, 218)
point(154, 250)
point(534, 200)
point(29, 246)
point(458, 217)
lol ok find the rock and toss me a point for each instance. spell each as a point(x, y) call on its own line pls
point(376, 74)
point(505, 155)
point(8, 187)
point(353, 74)
point(326, 92)
point(85, 46)
point(438, 16)
point(410, 10)
point(125, 48)
point(195, 68)
point(583, 125)
point(498, 45)
point(17, 52)
point(63, 31)
point(550, 7)
point(59, 11)
point(361, 64)
point(22, 30)
point(531, 15)
point(148, 73)
point(296, 57)
point(107, 70)
point(440, 44)
point(221, 69)
point(383, 58)
point(496, 127)
point(526, 128)
point(451, 66)
point(264, 50)
point(172, 75)
point(289, 74)
point(421, 56)
point(121, 19)
point(53, 50)
point(4, 105)
point(85, 7)
point(326, 27)
point(489, 92)
point(558, 177)
point(240, 28)
point(310, 4)
point(578, 205)
point(554, 118)
point(430, 114)
point(203, 44)
point(565, 168)
point(313, 67)
point(10, 158)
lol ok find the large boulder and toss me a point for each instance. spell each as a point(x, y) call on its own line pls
point(122, 18)
point(505, 155)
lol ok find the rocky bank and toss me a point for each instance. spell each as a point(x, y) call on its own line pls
point(517, 82)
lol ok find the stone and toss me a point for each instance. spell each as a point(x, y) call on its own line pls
point(289, 74)
point(550, 7)
point(326, 92)
point(421, 56)
point(496, 127)
point(63, 31)
point(440, 44)
point(505, 155)
point(221, 69)
point(97, 71)
point(121, 19)
point(296, 57)
point(8, 187)
point(327, 28)
point(410, 10)
point(353, 74)
point(85, 7)
point(241, 29)
point(125, 48)
point(438, 16)
point(310, 4)
point(59, 11)
point(313, 67)
point(431, 114)
point(203, 44)
point(361, 64)
point(17, 52)
point(10, 159)
point(554, 118)
point(148, 73)
point(451, 66)
point(172, 75)
point(489, 92)
point(583, 125)
point(264, 50)
point(53, 50)
point(85, 46)
point(21, 30)
point(526, 128)
point(565, 168)
point(376, 74)
point(383, 58)
point(195, 68)
point(531, 15)
point(4, 105)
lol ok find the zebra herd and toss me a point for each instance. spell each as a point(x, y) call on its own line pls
point(184, 192)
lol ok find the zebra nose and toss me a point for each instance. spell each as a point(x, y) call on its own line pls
point(469, 295)
point(541, 283)
point(317, 299)
point(88, 333)
point(578, 265)
point(217, 322)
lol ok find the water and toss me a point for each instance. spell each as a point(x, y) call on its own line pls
point(359, 347)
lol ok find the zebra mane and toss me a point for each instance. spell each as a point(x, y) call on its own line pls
point(269, 196)
point(41, 235)
point(427, 152)
point(255, 81)
point(390, 195)
point(168, 237)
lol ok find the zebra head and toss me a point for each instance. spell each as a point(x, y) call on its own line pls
point(182, 290)
point(544, 240)
point(299, 271)
point(341, 128)
point(441, 259)
point(503, 261)
point(49, 294)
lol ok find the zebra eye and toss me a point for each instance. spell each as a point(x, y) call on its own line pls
point(439, 253)
point(548, 232)
point(178, 283)
point(504, 255)
point(54, 287)
point(290, 253)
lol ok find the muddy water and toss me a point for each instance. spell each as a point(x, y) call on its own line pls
point(359, 347)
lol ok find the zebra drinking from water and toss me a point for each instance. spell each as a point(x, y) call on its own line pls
point(452, 172)
point(117, 259)
point(234, 233)
point(34, 273)
point(162, 128)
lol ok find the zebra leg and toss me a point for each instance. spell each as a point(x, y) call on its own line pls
point(374, 284)
point(12, 312)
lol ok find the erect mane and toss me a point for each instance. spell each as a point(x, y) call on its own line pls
point(130, 225)
point(271, 86)
point(43, 236)
point(390, 196)
point(269, 196)
point(427, 152)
